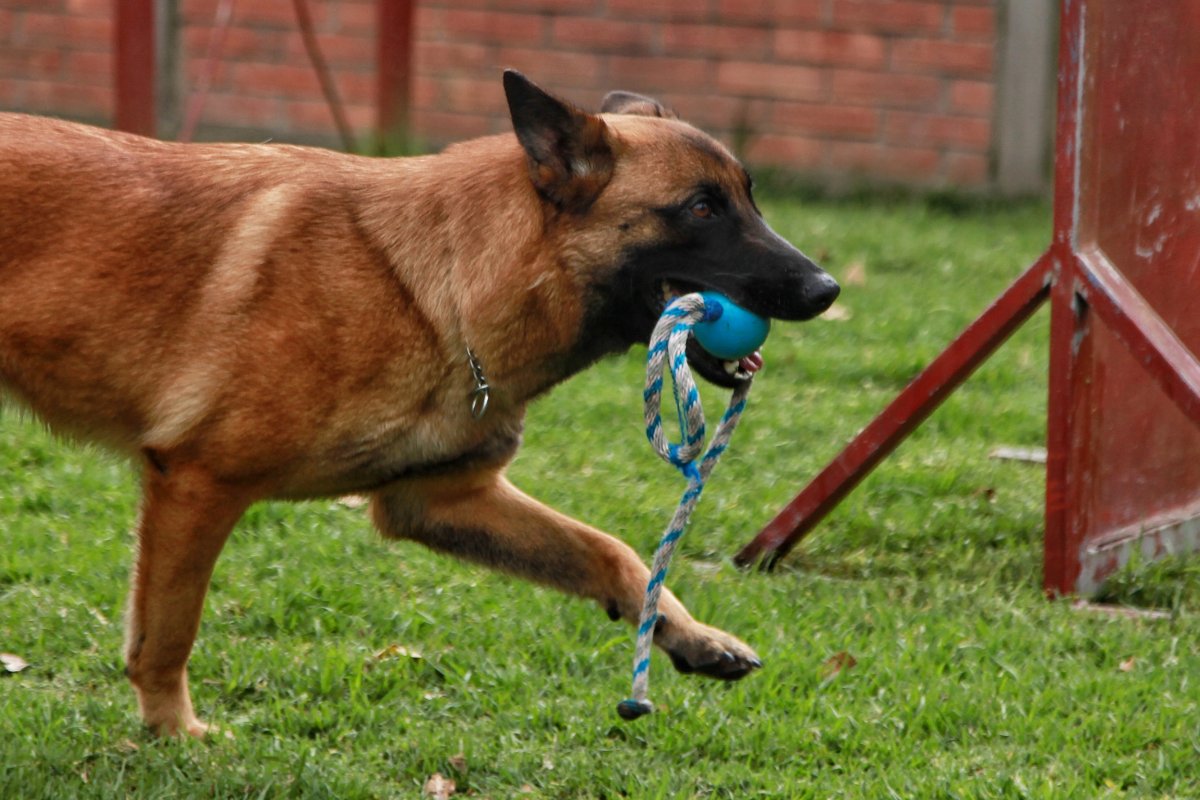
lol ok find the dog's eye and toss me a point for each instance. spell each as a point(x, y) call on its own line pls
point(702, 209)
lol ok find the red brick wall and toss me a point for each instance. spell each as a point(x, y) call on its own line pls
point(896, 90)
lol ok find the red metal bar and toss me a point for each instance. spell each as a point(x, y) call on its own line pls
point(910, 408)
point(134, 67)
point(1150, 340)
point(1062, 535)
point(394, 81)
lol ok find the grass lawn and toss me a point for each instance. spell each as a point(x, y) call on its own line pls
point(908, 649)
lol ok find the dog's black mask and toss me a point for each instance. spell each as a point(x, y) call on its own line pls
point(712, 245)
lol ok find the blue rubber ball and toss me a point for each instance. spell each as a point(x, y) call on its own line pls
point(735, 334)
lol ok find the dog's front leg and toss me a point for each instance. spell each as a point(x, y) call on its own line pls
point(185, 519)
point(489, 521)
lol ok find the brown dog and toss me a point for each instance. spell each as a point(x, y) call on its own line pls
point(262, 321)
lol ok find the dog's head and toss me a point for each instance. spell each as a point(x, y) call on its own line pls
point(646, 207)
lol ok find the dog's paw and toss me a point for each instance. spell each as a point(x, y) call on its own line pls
point(707, 651)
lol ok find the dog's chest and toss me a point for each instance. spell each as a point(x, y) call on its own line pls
point(386, 455)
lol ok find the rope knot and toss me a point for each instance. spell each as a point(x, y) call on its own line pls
point(668, 345)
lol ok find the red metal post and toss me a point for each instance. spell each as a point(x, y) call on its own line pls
point(1060, 538)
point(134, 67)
point(394, 81)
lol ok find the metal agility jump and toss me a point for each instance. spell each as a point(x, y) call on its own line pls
point(1121, 276)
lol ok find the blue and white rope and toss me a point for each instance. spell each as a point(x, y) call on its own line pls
point(667, 346)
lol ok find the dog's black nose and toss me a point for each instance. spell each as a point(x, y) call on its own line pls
point(822, 293)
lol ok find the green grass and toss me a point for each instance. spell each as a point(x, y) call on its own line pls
point(966, 682)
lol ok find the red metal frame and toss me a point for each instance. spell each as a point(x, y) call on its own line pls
point(1087, 293)
point(134, 66)
point(394, 86)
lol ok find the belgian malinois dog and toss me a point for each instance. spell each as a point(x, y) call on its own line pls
point(267, 321)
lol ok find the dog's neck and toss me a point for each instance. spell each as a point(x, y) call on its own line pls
point(481, 266)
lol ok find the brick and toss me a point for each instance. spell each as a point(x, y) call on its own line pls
point(770, 12)
point(314, 116)
point(273, 80)
point(769, 80)
point(660, 74)
point(272, 13)
point(92, 69)
point(973, 22)
point(35, 5)
point(574, 68)
point(605, 35)
point(429, 24)
point(547, 6)
point(693, 10)
point(884, 89)
point(240, 43)
point(474, 96)
point(339, 50)
point(12, 93)
point(425, 92)
point(967, 133)
point(966, 169)
point(717, 40)
point(490, 26)
point(452, 57)
point(833, 121)
point(889, 16)
point(34, 63)
point(883, 163)
point(943, 57)
point(91, 8)
point(442, 127)
point(830, 47)
point(795, 152)
point(73, 98)
point(972, 97)
point(202, 10)
point(356, 87)
point(85, 33)
point(718, 112)
point(357, 18)
point(240, 110)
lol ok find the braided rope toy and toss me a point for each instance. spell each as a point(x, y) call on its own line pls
point(668, 343)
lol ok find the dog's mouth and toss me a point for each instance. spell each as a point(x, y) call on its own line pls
point(719, 371)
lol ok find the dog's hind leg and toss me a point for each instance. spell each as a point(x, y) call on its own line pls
point(489, 521)
point(185, 519)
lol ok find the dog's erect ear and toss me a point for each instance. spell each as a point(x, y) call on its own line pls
point(619, 102)
point(570, 161)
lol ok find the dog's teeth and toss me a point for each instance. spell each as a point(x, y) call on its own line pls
point(731, 367)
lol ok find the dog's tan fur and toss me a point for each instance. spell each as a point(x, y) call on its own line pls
point(261, 321)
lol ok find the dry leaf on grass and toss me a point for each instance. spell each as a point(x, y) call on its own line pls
point(458, 762)
point(439, 787)
point(855, 274)
point(837, 662)
point(838, 312)
point(13, 663)
point(1127, 664)
point(397, 651)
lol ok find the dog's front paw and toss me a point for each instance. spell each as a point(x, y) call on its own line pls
point(706, 650)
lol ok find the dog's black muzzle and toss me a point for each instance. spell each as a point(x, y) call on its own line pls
point(774, 279)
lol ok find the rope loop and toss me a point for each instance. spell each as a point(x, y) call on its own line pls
point(668, 347)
